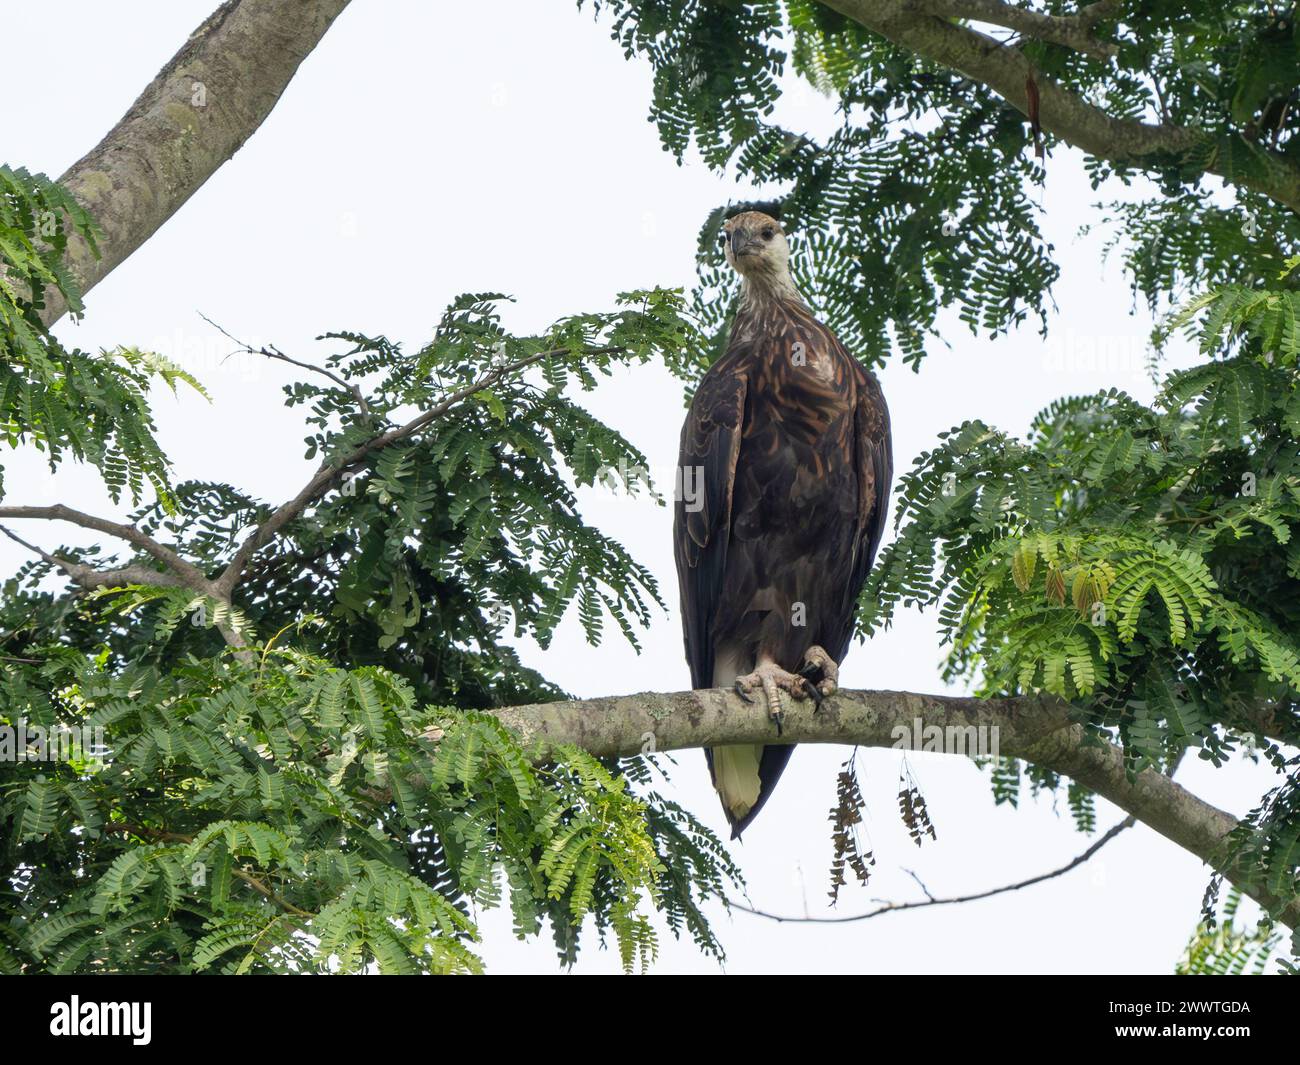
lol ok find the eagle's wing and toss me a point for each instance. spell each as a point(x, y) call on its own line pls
point(702, 514)
point(874, 463)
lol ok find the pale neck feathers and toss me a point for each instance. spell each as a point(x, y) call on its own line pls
point(763, 288)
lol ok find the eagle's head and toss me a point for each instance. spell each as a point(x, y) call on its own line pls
point(755, 245)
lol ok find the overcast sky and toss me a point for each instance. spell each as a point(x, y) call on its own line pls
point(427, 149)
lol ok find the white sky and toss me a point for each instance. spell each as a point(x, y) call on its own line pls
point(426, 150)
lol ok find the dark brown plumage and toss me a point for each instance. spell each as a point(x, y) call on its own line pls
point(786, 469)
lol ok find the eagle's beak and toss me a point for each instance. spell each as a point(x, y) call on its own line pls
point(742, 242)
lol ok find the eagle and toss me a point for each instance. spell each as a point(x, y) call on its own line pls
point(785, 467)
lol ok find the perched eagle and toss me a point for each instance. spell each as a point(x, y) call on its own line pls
point(786, 468)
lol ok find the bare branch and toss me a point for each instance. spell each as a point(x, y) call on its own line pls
point(1036, 728)
point(931, 900)
point(90, 578)
point(180, 574)
point(1063, 112)
point(188, 575)
point(53, 560)
point(325, 478)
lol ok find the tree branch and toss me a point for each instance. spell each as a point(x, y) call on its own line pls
point(910, 25)
point(200, 109)
point(327, 476)
point(180, 574)
point(1035, 728)
point(1070, 31)
point(90, 578)
point(189, 576)
point(330, 473)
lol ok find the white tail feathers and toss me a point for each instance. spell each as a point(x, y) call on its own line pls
point(735, 775)
point(735, 769)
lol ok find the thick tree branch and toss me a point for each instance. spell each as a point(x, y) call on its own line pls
point(1035, 728)
point(1071, 31)
point(911, 25)
point(210, 98)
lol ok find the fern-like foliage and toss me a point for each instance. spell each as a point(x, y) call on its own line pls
point(1140, 562)
point(286, 816)
point(437, 547)
point(1222, 948)
point(68, 403)
point(922, 199)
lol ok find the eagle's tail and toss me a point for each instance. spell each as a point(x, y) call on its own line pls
point(743, 774)
point(735, 775)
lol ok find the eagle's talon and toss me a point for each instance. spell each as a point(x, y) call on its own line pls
point(814, 693)
point(772, 680)
point(821, 670)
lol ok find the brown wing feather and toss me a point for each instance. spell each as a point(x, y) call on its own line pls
point(874, 460)
point(702, 512)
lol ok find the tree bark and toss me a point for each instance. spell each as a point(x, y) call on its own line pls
point(919, 26)
point(1070, 31)
point(1038, 729)
point(190, 119)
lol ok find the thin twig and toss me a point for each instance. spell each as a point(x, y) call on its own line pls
point(272, 352)
point(930, 900)
point(920, 883)
point(1069, 31)
point(895, 907)
point(262, 889)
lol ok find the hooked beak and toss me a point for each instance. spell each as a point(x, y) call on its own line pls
point(743, 242)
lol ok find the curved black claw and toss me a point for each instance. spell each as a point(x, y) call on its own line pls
point(778, 718)
point(741, 692)
point(815, 695)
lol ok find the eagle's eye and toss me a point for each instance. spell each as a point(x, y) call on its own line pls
point(768, 233)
